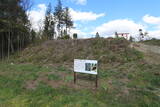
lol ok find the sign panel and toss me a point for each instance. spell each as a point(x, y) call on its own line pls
point(85, 66)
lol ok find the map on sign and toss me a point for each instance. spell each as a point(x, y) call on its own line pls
point(85, 66)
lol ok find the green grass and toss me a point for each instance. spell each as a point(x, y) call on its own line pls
point(54, 77)
point(152, 42)
point(141, 85)
point(68, 78)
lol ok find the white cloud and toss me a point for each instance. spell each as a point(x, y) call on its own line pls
point(155, 34)
point(81, 2)
point(122, 26)
point(84, 16)
point(151, 19)
point(37, 16)
point(79, 32)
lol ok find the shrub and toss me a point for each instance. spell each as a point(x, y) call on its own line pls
point(65, 37)
point(75, 36)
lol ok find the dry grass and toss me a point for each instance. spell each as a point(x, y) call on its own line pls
point(63, 52)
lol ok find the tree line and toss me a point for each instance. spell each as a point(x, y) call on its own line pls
point(15, 28)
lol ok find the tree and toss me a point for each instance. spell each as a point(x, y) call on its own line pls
point(52, 28)
point(14, 26)
point(49, 23)
point(97, 35)
point(26, 4)
point(131, 39)
point(67, 20)
point(116, 34)
point(59, 15)
point(142, 34)
point(33, 35)
point(75, 36)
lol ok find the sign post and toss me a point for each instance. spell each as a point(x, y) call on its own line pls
point(75, 77)
point(86, 66)
point(96, 81)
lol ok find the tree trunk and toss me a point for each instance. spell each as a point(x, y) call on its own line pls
point(12, 47)
point(9, 44)
point(18, 43)
point(2, 46)
point(66, 29)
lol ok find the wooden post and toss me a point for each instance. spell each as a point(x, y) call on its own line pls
point(96, 81)
point(75, 77)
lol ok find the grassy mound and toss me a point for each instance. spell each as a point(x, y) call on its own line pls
point(106, 51)
point(39, 76)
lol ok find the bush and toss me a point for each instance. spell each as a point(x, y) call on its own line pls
point(65, 37)
point(75, 36)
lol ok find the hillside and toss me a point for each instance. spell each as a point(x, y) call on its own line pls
point(151, 52)
point(42, 75)
point(155, 42)
point(106, 51)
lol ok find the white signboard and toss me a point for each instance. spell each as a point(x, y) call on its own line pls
point(85, 66)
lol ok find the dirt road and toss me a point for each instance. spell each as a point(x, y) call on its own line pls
point(151, 53)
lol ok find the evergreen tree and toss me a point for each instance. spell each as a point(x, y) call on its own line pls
point(33, 35)
point(14, 27)
point(59, 15)
point(67, 20)
point(49, 23)
point(97, 35)
point(116, 34)
point(75, 36)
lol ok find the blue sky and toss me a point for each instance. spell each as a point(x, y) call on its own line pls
point(106, 16)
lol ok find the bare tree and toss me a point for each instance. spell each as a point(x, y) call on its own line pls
point(26, 4)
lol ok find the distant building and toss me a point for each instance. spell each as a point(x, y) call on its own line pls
point(124, 35)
